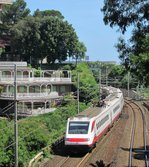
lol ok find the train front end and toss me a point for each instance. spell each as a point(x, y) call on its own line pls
point(78, 134)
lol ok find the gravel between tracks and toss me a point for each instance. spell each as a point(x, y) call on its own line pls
point(107, 151)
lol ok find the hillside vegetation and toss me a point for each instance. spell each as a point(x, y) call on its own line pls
point(35, 133)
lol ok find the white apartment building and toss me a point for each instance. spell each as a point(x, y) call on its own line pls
point(37, 91)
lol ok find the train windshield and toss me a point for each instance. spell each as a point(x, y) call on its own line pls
point(78, 127)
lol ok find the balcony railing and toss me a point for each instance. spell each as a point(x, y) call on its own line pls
point(31, 95)
point(36, 79)
point(5, 1)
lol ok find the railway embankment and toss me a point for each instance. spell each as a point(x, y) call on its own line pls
point(114, 148)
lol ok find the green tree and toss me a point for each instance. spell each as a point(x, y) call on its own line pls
point(26, 40)
point(59, 39)
point(134, 53)
point(117, 71)
point(126, 13)
point(35, 38)
point(44, 35)
point(79, 51)
point(44, 13)
point(88, 87)
point(136, 57)
point(12, 14)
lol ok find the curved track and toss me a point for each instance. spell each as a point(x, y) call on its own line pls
point(114, 149)
point(138, 144)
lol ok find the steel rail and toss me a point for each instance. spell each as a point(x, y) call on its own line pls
point(145, 139)
point(144, 133)
point(132, 137)
point(83, 159)
point(133, 133)
point(62, 162)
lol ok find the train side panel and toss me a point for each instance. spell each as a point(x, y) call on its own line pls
point(103, 123)
point(117, 107)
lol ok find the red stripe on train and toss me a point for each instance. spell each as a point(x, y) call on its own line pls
point(104, 130)
point(100, 134)
point(77, 140)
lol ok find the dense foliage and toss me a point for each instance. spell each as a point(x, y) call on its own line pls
point(35, 133)
point(33, 38)
point(125, 13)
point(135, 52)
point(136, 57)
point(112, 74)
point(88, 88)
point(11, 14)
point(47, 37)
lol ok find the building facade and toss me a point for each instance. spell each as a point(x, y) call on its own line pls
point(37, 91)
point(4, 2)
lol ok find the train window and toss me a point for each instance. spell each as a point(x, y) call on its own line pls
point(102, 121)
point(78, 127)
point(116, 108)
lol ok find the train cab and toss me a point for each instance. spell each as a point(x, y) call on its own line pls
point(79, 132)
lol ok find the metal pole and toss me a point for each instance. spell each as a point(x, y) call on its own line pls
point(16, 116)
point(99, 82)
point(128, 82)
point(106, 77)
point(78, 80)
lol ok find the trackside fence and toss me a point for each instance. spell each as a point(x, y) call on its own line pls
point(39, 156)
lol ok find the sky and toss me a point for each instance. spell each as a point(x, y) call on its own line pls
point(87, 20)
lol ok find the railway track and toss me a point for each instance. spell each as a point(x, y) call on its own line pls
point(76, 161)
point(62, 162)
point(80, 160)
point(109, 146)
point(138, 143)
point(105, 151)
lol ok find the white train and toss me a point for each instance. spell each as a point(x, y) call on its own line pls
point(84, 130)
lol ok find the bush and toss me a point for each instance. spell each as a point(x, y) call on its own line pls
point(35, 133)
point(88, 88)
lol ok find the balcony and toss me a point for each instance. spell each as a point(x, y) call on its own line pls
point(34, 79)
point(5, 1)
point(25, 96)
point(24, 75)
